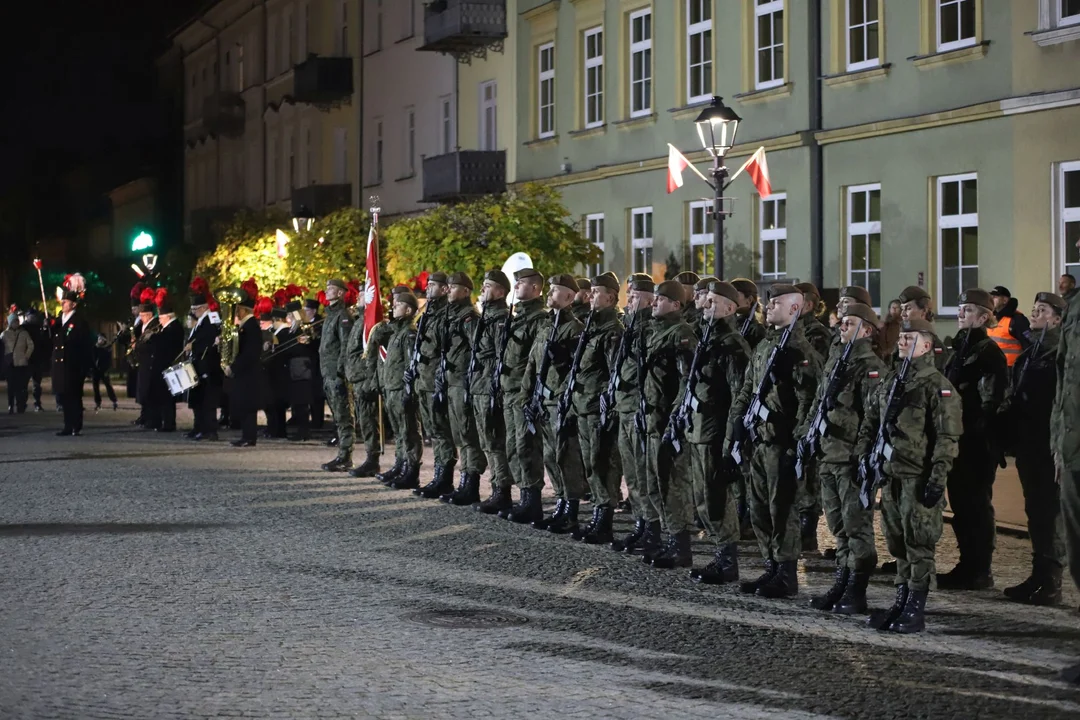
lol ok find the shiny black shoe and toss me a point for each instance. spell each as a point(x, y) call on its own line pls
point(834, 593)
point(528, 509)
point(587, 528)
point(678, 553)
point(883, 619)
point(601, 531)
point(723, 569)
point(629, 542)
point(567, 523)
point(246, 443)
point(390, 475)
point(366, 469)
point(498, 502)
point(207, 437)
point(409, 479)
point(467, 492)
point(783, 584)
point(751, 586)
point(650, 542)
point(339, 464)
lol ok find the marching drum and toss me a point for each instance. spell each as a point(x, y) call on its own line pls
point(181, 378)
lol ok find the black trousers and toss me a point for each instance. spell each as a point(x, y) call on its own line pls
point(275, 418)
point(73, 409)
point(166, 414)
point(971, 495)
point(249, 424)
point(301, 413)
point(35, 376)
point(18, 379)
point(204, 401)
point(98, 379)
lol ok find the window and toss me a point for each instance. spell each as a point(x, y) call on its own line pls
point(773, 236)
point(641, 63)
point(410, 141)
point(594, 233)
point(958, 237)
point(341, 155)
point(864, 239)
point(699, 81)
point(594, 77)
point(769, 43)
point(408, 18)
point(378, 152)
point(641, 239)
point(863, 26)
point(488, 115)
point(702, 248)
point(342, 44)
point(1069, 229)
point(1068, 12)
point(545, 122)
point(955, 24)
point(447, 120)
point(226, 78)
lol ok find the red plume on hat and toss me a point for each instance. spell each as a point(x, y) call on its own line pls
point(280, 298)
point(250, 287)
point(136, 293)
point(294, 291)
point(352, 292)
point(147, 296)
point(263, 306)
point(321, 297)
point(160, 296)
point(212, 304)
point(199, 286)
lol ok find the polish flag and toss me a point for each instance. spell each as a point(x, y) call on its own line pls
point(758, 168)
point(676, 163)
point(373, 309)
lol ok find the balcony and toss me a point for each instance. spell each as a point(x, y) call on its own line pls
point(321, 199)
point(223, 114)
point(464, 28)
point(323, 80)
point(464, 174)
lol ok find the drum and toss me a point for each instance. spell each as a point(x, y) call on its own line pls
point(181, 378)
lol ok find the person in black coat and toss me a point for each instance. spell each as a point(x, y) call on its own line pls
point(318, 396)
point(100, 372)
point(205, 356)
point(142, 355)
point(71, 361)
point(276, 368)
point(166, 346)
point(42, 355)
point(298, 373)
point(244, 371)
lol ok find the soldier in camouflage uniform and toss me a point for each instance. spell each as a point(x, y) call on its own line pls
point(914, 473)
point(399, 338)
point(582, 304)
point(362, 372)
point(747, 325)
point(669, 491)
point(809, 492)
point(603, 468)
point(980, 374)
point(701, 301)
point(690, 311)
point(723, 368)
point(916, 304)
point(837, 469)
point(335, 338)
point(772, 491)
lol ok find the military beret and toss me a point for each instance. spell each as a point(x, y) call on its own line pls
point(724, 289)
point(859, 294)
point(438, 277)
point(525, 273)
point(912, 293)
point(1054, 301)
point(499, 278)
point(703, 283)
point(460, 278)
point(644, 284)
point(583, 283)
point(746, 287)
point(780, 289)
point(311, 304)
point(687, 278)
point(149, 307)
point(861, 311)
point(564, 280)
point(337, 283)
point(924, 327)
point(672, 289)
point(808, 288)
point(606, 280)
point(634, 277)
point(398, 289)
point(198, 299)
point(408, 298)
point(279, 313)
point(292, 306)
point(977, 296)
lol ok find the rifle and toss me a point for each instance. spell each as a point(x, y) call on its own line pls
point(607, 398)
point(414, 358)
point(1032, 356)
point(872, 469)
point(439, 397)
point(810, 445)
point(534, 408)
point(563, 408)
point(749, 321)
point(640, 428)
point(472, 355)
point(495, 401)
point(757, 409)
point(681, 421)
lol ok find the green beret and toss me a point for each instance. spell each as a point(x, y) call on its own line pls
point(1055, 301)
point(408, 298)
point(672, 290)
point(340, 284)
point(977, 296)
point(607, 280)
point(912, 293)
point(687, 278)
point(438, 277)
point(499, 278)
point(398, 289)
point(583, 284)
point(703, 283)
point(634, 277)
point(924, 327)
point(780, 289)
point(808, 288)
point(862, 311)
point(859, 294)
point(526, 273)
point(460, 278)
point(567, 281)
point(644, 284)
point(746, 287)
point(724, 289)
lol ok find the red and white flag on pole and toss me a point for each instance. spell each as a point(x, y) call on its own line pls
point(373, 309)
point(676, 163)
point(758, 168)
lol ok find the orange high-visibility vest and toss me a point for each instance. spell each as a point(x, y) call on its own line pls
point(1008, 344)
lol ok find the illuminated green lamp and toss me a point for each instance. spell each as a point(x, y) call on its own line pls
point(142, 241)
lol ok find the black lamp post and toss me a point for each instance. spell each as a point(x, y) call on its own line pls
point(304, 218)
point(716, 126)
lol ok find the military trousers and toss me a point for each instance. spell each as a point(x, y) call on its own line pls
point(633, 466)
point(408, 447)
point(463, 431)
point(912, 531)
point(852, 526)
point(714, 491)
point(528, 458)
point(971, 495)
point(1042, 504)
point(340, 402)
point(490, 427)
point(437, 426)
point(1070, 513)
point(600, 459)
point(668, 486)
point(771, 499)
point(562, 460)
point(367, 420)
point(809, 494)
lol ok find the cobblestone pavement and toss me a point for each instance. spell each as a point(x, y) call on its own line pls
point(143, 576)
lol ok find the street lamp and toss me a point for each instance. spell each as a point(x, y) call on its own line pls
point(716, 126)
point(304, 218)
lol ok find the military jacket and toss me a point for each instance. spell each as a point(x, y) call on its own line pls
point(487, 349)
point(788, 401)
point(400, 336)
point(529, 316)
point(335, 339)
point(723, 368)
point(669, 352)
point(755, 331)
point(431, 348)
point(581, 310)
point(861, 378)
point(367, 371)
point(691, 315)
point(597, 360)
point(627, 393)
point(1027, 407)
point(819, 336)
point(354, 354)
point(925, 436)
point(1065, 421)
point(980, 376)
point(460, 328)
point(562, 351)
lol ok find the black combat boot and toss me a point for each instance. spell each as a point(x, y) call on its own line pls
point(1047, 589)
point(650, 542)
point(912, 620)
point(587, 528)
point(367, 469)
point(678, 553)
point(629, 542)
point(784, 584)
point(723, 568)
point(339, 464)
point(392, 474)
point(959, 578)
point(497, 502)
point(828, 600)
point(529, 509)
point(853, 601)
point(468, 490)
point(601, 532)
point(556, 515)
point(409, 478)
point(568, 522)
point(750, 587)
point(808, 523)
point(882, 619)
point(441, 482)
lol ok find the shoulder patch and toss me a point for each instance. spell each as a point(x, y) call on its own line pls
point(805, 363)
point(684, 341)
point(943, 392)
point(938, 351)
point(874, 374)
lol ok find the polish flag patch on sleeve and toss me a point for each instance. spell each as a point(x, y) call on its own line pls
point(945, 393)
point(938, 351)
point(873, 374)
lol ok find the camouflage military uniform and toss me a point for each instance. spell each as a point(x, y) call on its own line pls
point(491, 430)
point(522, 449)
point(435, 420)
point(399, 337)
point(809, 491)
point(1065, 430)
point(602, 467)
point(627, 395)
point(362, 372)
point(335, 338)
point(461, 324)
point(753, 332)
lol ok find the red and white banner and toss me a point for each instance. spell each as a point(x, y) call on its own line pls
point(676, 163)
point(373, 309)
point(758, 168)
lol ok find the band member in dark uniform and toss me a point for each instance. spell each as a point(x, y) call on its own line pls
point(205, 356)
point(318, 395)
point(166, 345)
point(141, 355)
point(244, 371)
point(276, 369)
point(296, 361)
point(71, 358)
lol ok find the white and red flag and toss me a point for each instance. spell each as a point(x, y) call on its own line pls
point(676, 163)
point(758, 168)
point(373, 309)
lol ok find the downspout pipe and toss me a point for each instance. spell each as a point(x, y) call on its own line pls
point(817, 175)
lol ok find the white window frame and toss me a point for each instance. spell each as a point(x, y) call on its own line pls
point(446, 124)
point(958, 222)
point(1064, 20)
point(865, 25)
point(545, 77)
point(489, 123)
point(593, 81)
point(703, 27)
point(776, 236)
point(641, 48)
point(643, 243)
point(770, 8)
point(1065, 215)
point(701, 239)
point(863, 229)
point(410, 141)
point(953, 6)
point(594, 233)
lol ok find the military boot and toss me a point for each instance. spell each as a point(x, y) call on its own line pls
point(853, 601)
point(568, 522)
point(678, 553)
point(784, 584)
point(467, 492)
point(556, 514)
point(629, 542)
point(882, 619)
point(368, 468)
point(828, 600)
point(965, 577)
point(912, 619)
point(528, 509)
point(808, 523)
point(497, 502)
point(601, 532)
point(1048, 590)
point(650, 542)
point(723, 568)
point(1021, 592)
point(392, 474)
point(409, 479)
point(441, 482)
point(750, 587)
point(339, 464)
point(587, 528)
